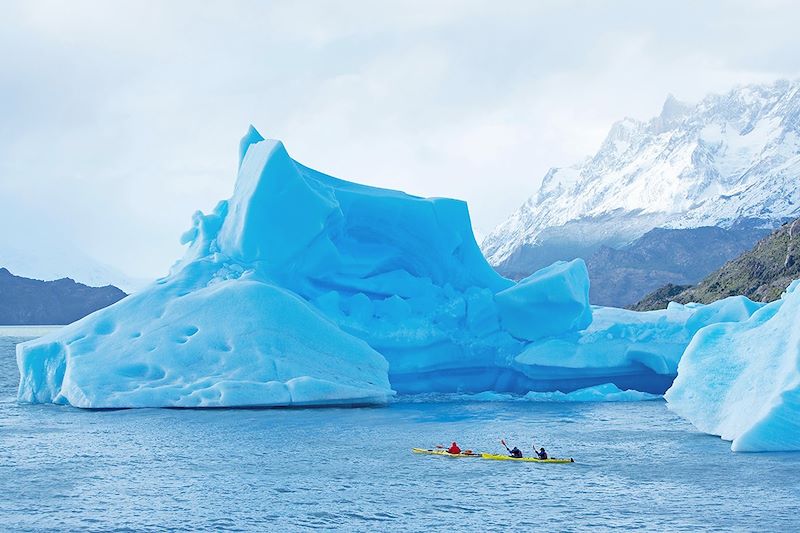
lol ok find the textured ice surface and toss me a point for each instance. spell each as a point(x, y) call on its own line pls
point(742, 380)
point(306, 289)
point(197, 341)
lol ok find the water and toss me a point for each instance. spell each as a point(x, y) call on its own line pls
point(638, 467)
point(27, 331)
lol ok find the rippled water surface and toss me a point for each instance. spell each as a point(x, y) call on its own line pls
point(638, 466)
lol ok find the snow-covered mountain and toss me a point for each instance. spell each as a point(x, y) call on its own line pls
point(731, 160)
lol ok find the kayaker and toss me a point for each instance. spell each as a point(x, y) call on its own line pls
point(454, 449)
point(541, 453)
point(516, 453)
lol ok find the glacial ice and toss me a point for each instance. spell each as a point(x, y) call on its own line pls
point(741, 380)
point(549, 302)
point(304, 289)
point(607, 392)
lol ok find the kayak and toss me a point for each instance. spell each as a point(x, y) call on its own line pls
point(524, 459)
point(444, 452)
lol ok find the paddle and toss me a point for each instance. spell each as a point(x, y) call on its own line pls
point(503, 442)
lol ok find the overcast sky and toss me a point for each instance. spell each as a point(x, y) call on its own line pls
point(119, 119)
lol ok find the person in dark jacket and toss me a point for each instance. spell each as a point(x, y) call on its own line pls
point(541, 453)
point(516, 452)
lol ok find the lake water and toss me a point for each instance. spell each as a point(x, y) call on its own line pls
point(638, 466)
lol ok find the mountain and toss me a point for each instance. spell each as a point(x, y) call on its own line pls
point(26, 301)
point(731, 161)
point(761, 274)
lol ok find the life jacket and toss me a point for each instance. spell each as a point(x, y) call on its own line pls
point(454, 449)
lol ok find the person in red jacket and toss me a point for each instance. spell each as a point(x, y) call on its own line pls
point(454, 449)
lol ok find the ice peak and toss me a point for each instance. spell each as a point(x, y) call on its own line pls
point(251, 137)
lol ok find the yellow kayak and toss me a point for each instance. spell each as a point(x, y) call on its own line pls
point(444, 452)
point(524, 459)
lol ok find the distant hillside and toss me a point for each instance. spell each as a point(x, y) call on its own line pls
point(621, 277)
point(761, 274)
point(26, 301)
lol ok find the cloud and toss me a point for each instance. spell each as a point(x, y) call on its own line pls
point(122, 118)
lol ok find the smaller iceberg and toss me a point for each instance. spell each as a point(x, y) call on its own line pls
point(607, 392)
point(630, 349)
point(741, 381)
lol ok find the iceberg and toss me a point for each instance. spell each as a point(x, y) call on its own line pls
point(305, 289)
point(741, 380)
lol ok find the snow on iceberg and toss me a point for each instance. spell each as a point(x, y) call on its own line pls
point(742, 380)
point(304, 289)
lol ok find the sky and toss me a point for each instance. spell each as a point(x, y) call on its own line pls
point(120, 119)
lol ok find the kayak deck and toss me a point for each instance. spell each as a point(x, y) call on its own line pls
point(495, 457)
point(490, 456)
point(443, 452)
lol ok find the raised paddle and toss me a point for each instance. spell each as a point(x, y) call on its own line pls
point(503, 442)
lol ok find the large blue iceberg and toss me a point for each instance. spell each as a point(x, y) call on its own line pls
point(742, 380)
point(304, 289)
